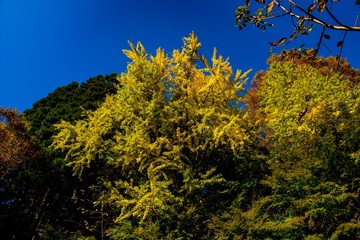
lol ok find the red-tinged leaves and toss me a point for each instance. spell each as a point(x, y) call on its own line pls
point(340, 43)
point(15, 147)
point(274, 44)
point(281, 41)
point(247, 3)
point(326, 36)
point(292, 36)
point(260, 1)
point(311, 7)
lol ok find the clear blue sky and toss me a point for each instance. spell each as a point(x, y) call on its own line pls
point(47, 44)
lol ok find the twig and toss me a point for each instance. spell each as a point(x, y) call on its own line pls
point(342, 43)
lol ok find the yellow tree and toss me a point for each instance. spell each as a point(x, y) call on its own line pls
point(173, 122)
point(311, 120)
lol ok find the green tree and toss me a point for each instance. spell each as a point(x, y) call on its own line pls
point(166, 137)
point(67, 103)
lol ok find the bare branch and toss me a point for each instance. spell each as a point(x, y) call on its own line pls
point(335, 19)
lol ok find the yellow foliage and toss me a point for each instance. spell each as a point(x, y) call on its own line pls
point(162, 124)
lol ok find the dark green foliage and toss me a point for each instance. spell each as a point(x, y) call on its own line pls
point(43, 196)
point(68, 103)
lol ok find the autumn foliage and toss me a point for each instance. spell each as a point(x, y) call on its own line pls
point(16, 148)
point(175, 147)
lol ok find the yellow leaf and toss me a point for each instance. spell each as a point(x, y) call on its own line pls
point(270, 6)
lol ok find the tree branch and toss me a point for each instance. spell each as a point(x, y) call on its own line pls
point(335, 19)
point(312, 18)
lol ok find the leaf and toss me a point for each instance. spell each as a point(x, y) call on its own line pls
point(292, 36)
point(270, 6)
point(322, 5)
point(340, 43)
point(247, 3)
point(260, 1)
point(274, 44)
point(311, 7)
point(281, 41)
point(301, 23)
point(326, 36)
point(310, 28)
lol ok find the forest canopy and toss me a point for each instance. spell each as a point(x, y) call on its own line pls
point(175, 147)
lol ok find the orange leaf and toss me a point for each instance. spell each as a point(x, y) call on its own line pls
point(270, 6)
point(273, 43)
point(311, 7)
point(292, 36)
point(322, 5)
point(282, 41)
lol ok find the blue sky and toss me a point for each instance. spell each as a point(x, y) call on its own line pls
point(47, 44)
